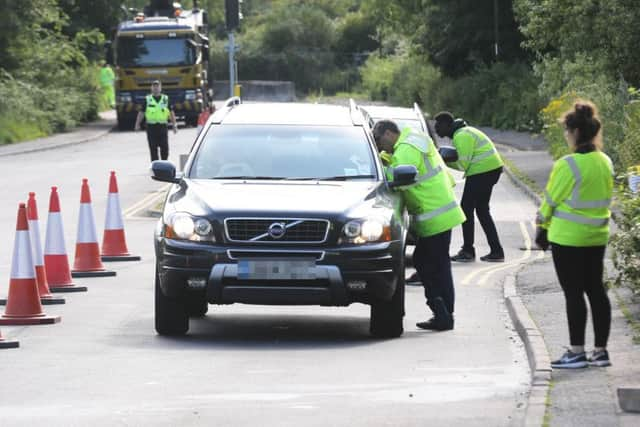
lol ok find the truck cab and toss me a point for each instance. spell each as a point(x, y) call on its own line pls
point(174, 50)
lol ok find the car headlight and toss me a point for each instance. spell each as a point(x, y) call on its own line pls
point(366, 230)
point(190, 95)
point(182, 226)
point(125, 97)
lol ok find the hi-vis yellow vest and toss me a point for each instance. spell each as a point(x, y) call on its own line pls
point(476, 152)
point(575, 209)
point(157, 112)
point(431, 200)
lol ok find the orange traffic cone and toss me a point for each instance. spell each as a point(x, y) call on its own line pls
point(8, 344)
point(36, 246)
point(23, 304)
point(114, 243)
point(56, 262)
point(87, 262)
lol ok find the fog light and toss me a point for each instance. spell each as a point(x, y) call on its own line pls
point(357, 285)
point(197, 282)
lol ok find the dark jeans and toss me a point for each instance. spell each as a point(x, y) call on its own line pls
point(475, 198)
point(580, 271)
point(158, 137)
point(432, 262)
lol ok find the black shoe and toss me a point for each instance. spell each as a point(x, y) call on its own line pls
point(413, 280)
point(571, 360)
point(463, 256)
point(434, 325)
point(599, 358)
point(492, 257)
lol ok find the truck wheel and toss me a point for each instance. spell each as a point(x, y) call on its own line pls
point(191, 121)
point(197, 305)
point(125, 124)
point(386, 316)
point(171, 313)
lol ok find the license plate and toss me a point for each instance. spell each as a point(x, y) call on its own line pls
point(276, 269)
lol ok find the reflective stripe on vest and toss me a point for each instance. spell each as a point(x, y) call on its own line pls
point(598, 222)
point(549, 200)
point(575, 202)
point(430, 215)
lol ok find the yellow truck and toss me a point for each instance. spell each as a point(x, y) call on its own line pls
point(173, 49)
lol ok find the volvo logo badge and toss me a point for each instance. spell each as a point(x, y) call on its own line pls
point(277, 230)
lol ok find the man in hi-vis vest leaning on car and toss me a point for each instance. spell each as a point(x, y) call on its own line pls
point(431, 202)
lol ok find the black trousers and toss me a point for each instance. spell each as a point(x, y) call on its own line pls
point(580, 272)
point(475, 198)
point(158, 138)
point(432, 262)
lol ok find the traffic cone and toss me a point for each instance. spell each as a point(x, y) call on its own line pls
point(87, 262)
point(114, 243)
point(56, 262)
point(8, 344)
point(23, 303)
point(36, 246)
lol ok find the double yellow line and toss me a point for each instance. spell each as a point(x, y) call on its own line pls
point(486, 272)
point(146, 201)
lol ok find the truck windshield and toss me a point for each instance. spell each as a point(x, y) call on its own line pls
point(284, 152)
point(155, 52)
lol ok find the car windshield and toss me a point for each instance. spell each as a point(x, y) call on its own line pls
point(284, 152)
point(150, 52)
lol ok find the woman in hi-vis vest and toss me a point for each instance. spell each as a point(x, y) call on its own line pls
point(574, 220)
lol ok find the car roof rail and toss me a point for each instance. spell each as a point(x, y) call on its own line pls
point(357, 118)
point(233, 101)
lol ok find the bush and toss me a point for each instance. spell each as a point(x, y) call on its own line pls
point(625, 244)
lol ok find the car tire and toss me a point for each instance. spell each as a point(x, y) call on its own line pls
point(171, 314)
point(197, 305)
point(387, 316)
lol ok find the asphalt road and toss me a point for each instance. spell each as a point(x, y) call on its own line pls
point(246, 365)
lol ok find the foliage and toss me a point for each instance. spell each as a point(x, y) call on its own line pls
point(625, 243)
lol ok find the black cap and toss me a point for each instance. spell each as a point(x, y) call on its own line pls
point(156, 82)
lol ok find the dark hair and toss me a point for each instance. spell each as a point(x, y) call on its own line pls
point(384, 125)
point(584, 118)
point(444, 117)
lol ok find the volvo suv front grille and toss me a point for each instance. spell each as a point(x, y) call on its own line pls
point(276, 230)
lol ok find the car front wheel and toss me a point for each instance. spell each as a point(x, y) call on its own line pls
point(387, 316)
point(171, 313)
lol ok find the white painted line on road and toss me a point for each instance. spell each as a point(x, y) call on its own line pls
point(488, 270)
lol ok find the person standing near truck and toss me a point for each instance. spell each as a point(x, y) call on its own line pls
point(157, 111)
point(107, 77)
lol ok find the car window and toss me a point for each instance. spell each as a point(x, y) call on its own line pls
point(413, 124)
point(284, 152)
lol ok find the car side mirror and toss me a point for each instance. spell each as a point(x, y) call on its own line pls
point(448, 154)
point(162, 170)
point(404, 175)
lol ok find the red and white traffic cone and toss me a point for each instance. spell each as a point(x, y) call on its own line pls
point(23, 303)
point(8, 344)
point(56, 261)
point(87, 261)
point(114, 242)
point(38, 259)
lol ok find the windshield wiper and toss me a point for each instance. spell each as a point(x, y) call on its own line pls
point(344, 177)
point(274, 178)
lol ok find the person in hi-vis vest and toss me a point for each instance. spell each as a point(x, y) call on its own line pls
point(574, 220)
point(157, 111)
point(482, 166)
point(434, 209)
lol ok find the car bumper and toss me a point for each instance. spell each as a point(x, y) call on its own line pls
point(340, 273)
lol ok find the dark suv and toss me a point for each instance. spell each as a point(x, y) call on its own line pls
point(281, 204)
